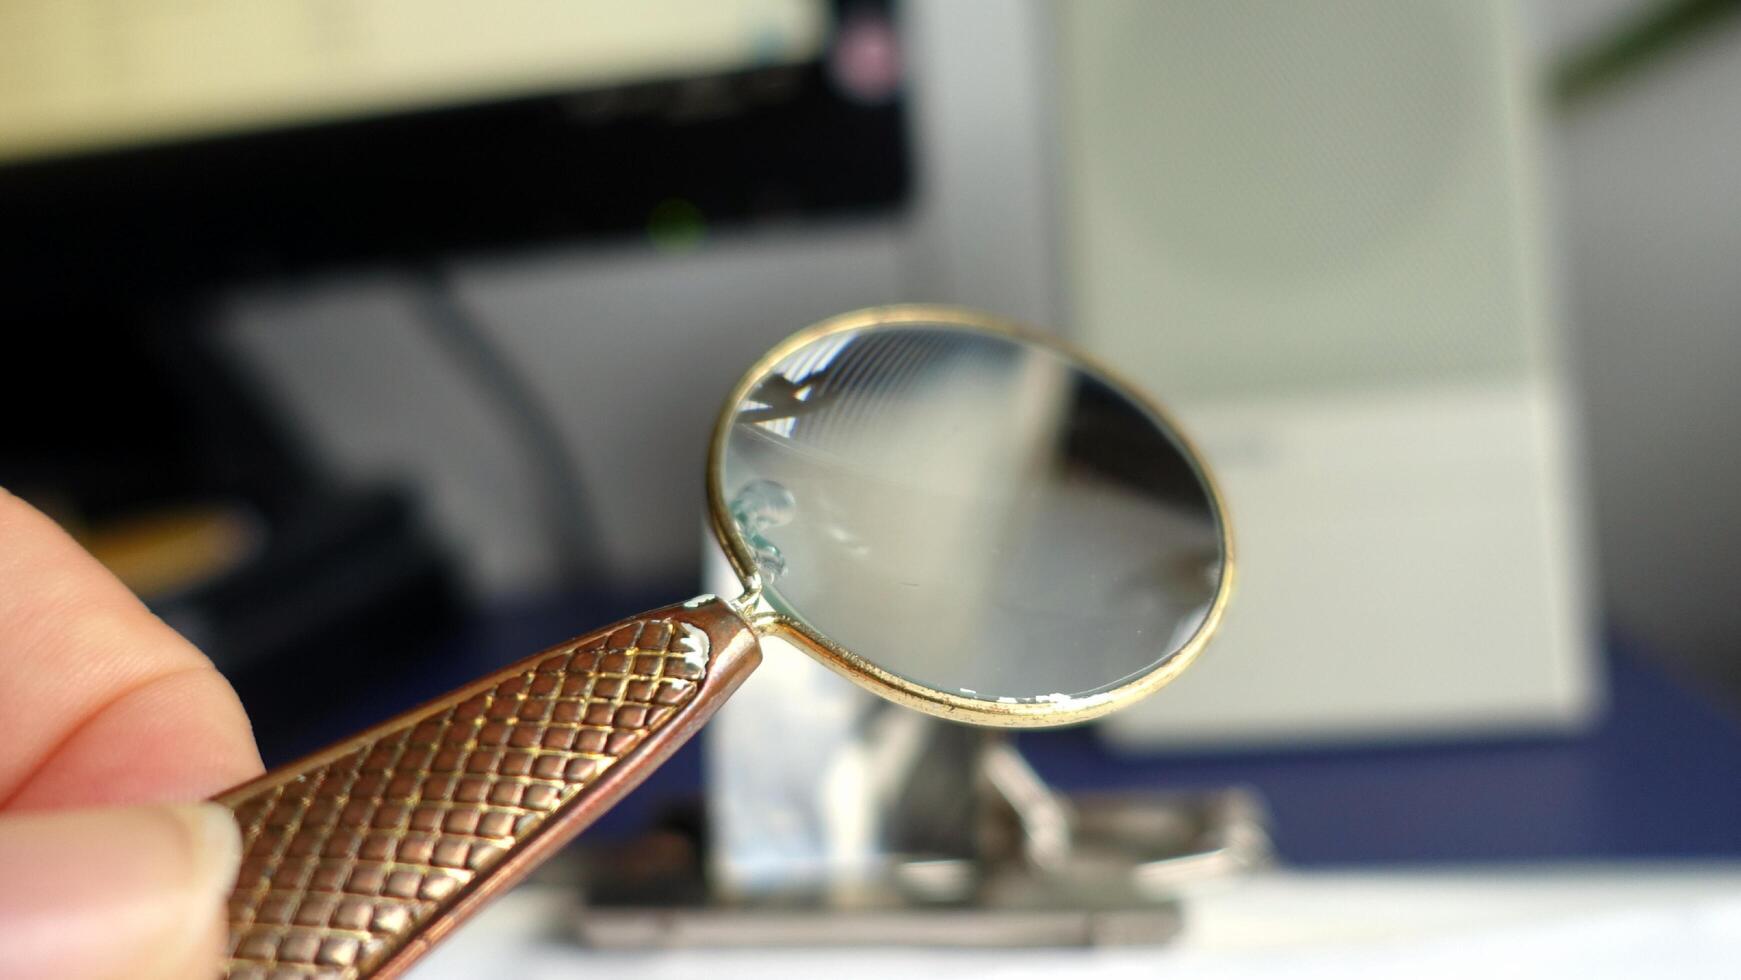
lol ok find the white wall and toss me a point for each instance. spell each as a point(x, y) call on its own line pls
point(1650, 227)
point(630, 349)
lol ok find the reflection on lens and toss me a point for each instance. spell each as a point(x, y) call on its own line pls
point(972, 512)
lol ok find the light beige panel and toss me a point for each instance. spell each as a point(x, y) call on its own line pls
point(1265, 197)
point(1311, 228)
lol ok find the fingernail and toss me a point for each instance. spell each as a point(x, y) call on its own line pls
point(216, 843)
point(217, 846)
point(134, 891)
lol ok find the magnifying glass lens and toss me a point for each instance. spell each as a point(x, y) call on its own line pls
point(972, 512)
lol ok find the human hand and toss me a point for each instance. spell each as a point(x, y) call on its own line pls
point(110, 723)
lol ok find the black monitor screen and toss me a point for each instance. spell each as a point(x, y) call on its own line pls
point(169, 144)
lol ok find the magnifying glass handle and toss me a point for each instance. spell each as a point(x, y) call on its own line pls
point(358, 858)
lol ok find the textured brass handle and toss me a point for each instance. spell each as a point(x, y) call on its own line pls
point(358, 858)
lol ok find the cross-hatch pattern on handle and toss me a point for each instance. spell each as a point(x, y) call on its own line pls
point(345, 861)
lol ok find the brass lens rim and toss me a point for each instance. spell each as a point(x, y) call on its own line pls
point(901, 690)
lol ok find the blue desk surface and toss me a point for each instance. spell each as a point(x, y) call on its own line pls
point(1660, 777)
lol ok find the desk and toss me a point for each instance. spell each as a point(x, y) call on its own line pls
point(1660, 777)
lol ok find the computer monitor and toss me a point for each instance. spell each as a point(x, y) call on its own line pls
point(156, 146)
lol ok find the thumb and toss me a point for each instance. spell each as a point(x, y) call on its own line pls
point(135, 892)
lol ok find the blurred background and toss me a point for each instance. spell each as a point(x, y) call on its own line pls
point(381, 340)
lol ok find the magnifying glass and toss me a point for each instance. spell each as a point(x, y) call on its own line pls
point(958, 515)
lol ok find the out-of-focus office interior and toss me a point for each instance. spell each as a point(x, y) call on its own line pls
point(378, 344)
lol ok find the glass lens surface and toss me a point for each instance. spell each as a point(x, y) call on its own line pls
point(976, 513)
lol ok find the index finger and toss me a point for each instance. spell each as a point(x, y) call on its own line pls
point(100, 702)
